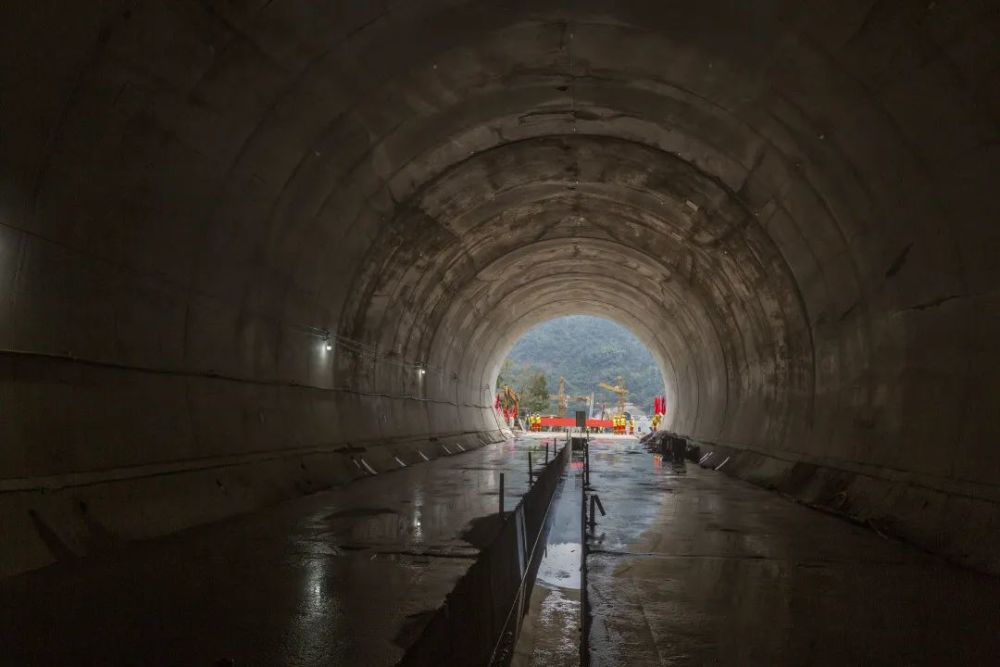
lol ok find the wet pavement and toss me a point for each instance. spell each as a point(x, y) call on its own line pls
point(343, 577)
point(689, 567)
point(692, 567)
point(550, 631)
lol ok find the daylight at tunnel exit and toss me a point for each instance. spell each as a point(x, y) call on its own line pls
point(499, 333)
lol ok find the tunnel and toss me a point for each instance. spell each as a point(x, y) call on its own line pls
point(241, 240)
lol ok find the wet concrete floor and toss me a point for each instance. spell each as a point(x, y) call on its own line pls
point(689, 567)
point(342, 577)
point(692, 567)
point(550, 630)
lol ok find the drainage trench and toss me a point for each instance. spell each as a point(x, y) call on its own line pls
point(480, 621)
point(550, 632)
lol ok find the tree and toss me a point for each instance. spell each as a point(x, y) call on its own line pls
point(537, 399)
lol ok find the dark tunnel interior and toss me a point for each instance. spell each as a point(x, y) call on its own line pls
point(239, 235)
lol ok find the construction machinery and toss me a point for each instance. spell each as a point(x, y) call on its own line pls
point(620, 390)
point(586, 400)
point(560, 398)
point(508, 401)
point(563, 400)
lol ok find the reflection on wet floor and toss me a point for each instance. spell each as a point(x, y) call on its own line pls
point(693, 567)
point(348, 576)
point(561, 565)
point(689, 567)
point(550, 631)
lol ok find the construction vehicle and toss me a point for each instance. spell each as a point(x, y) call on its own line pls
point(508, 402)
point(620, 390)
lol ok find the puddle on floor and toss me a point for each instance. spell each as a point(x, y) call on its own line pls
point(560, 566)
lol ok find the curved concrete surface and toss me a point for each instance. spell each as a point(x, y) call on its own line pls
point(234, 236)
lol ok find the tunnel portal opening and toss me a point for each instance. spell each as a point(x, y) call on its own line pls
point(575, 355)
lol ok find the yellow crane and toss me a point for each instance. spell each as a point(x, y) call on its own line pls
point(620, 390)
point(560, 398)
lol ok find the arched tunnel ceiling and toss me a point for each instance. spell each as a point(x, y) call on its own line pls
point(517, 227)
point(790, 203)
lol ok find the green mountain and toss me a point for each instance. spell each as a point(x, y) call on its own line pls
point(586, 351)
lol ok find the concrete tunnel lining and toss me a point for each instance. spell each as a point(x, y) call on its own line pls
point(516, 249)
point(192, 197)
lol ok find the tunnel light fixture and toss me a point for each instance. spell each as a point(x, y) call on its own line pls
point(322, 334)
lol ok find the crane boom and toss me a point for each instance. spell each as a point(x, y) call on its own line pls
point(617, 389)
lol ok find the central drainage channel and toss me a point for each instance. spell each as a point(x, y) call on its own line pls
point(550, 630)
point(481, 619)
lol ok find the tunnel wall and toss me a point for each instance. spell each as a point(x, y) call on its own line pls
point(129, 455)
point(943, 519)
point(793, 203)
